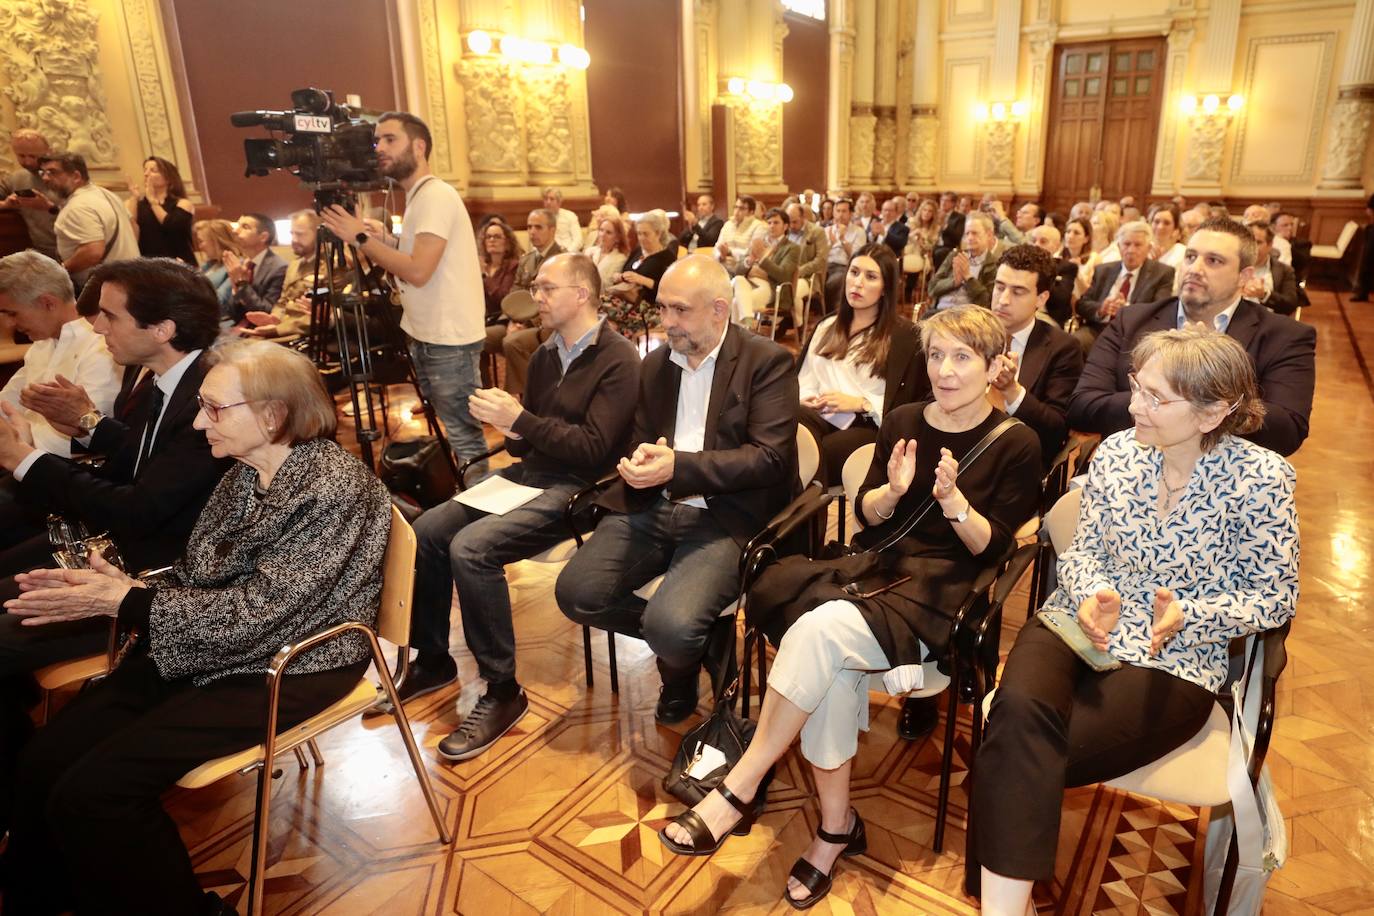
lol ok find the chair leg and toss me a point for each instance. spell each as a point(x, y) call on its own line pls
point(841, 503)
point(610, 656)
point(315, 752)
point(946, 761)
point(257, 869)
point(300, 758)
point(47, 706)
point(1228, 876)
point(587, 652)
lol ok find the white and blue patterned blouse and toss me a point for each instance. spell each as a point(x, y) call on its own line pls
point(1228, 550)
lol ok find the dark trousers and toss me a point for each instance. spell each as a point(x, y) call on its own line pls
point(88, 823)
point(464, 546)
point(1056, 723)
point(836, 444)
point(701, 563)
point(1364, 276)
point(18, 522)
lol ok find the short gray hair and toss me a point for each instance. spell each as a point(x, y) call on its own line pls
point(1135, 227)
point(26, 275)
point(658, 221)
point(979, 216)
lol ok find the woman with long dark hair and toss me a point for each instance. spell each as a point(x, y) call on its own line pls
point(161, 213)
point(861, 362)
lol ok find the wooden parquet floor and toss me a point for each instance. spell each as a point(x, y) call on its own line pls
point(560, 816)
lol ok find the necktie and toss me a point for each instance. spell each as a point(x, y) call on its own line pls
point(1126, 288)
point(145, 448)
point(251, 265)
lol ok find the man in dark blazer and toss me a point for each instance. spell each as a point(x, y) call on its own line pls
point(158, 315)
point(703, 226)
point(1274, 284)
point(715, 458)
point(951, 228)
point(1059, 306)
point(259, 275)
point(890, 228)
point(1134, 279)
point(1220, 261)
point(1037, 374)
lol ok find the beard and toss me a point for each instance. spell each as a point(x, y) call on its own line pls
point(402, 167)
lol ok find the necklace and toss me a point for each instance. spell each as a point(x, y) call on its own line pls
point(1172, 491)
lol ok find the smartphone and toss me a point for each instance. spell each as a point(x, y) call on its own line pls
point(1065, 626)
point(25, 192)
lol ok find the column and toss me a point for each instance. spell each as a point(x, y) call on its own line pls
point(699, 78)
point(999, 135)
point(840, 94)
point(885, 96)
point(862, 122)
point(1352, 117)
point(1207, 129)
point(925, 95)
point(1180, 43)
point(756, 54)
point(1037, 122)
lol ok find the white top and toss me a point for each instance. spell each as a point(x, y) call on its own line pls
point(738, 237)
point(1017, 346)
point(450, 308)
point(1265, 276)
point(77, 353)
point(693, 400)
point(568, 232)
point(608, 264)
point(93, 214)
point(854, 235)
point(1174, 256)
point(820, 374)
point(1285, 249)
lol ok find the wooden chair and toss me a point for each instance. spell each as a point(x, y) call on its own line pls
point(393, 625)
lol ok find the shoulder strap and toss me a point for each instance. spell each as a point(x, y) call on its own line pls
point(964, 463)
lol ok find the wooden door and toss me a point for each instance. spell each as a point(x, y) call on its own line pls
point(1104, 115)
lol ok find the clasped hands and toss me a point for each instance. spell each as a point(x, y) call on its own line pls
point(61, 402)
point(1099, 614)
point(901, 471)
point(1110, 306)
point(60, 595)
point(834, 402)
point(495, 406)
point(16, 436)
point(651, 465)
point(1004, 378)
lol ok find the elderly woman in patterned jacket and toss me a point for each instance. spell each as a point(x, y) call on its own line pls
point(290, 542)
point(1187, 537)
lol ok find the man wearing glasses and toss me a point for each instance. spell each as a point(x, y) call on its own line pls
point(93, 226)
point(714, 458)
point(1217, 265)
point(25, 190)
point(573, 425)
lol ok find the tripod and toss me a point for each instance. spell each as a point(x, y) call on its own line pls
point(353, 318)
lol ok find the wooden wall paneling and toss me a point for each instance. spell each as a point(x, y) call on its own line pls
point(1131, 116)
point(806, 68)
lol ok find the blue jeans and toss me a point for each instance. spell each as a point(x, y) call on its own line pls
point(701, 563)
point(462, 546)
point(448, 375)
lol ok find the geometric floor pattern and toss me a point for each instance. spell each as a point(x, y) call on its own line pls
point(560, 816)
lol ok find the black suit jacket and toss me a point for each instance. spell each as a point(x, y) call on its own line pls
point(706, 232)
point(895, 237)
point(1283, 351)
point(747, 468)
point(1050, 368)
point(953, 232)
point(1060, 304)
point(151, 517)
point(1284, 298)
point(262, 293)
point(1154, 282)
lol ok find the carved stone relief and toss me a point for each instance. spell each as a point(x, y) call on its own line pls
point(436, 111)
point(921, 147)
point(998, 144)
point(1204, 147)
point(55, 80)
point(492, 106)
point(1352, 122)
point(548, 129)
point(758, 142)
point(862, 137)
point(139, 17)
point(885, 146)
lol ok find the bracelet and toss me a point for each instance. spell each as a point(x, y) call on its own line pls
point(890, 514)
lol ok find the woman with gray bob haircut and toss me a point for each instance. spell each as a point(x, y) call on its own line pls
point(1187, 538)
point(290, 542)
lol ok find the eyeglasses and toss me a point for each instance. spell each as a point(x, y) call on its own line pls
point(495, 235)
point(212, 410)
point(546, 289)
point(1152, 401)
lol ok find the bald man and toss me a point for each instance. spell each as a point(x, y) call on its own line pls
point(26, 191)
point(1059, 306)
point(713, 458)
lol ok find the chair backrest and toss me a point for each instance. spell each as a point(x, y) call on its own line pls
point(1347, 233)
point(808, 455)
point(1062, 519)
point(398, 582)
point(854, 471)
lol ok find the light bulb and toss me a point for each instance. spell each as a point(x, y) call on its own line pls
point(999, 111)
point(785, 93)
point(1235, 103)
point(573, 56)
point(1020, 109)
point(1188, 104)
point(759, 90)
point(1210, 104)
point(479, 42)
point(734, 85)
point(980, 111)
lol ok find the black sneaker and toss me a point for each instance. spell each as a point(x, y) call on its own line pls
point(423, 677)
point(489, 720)
point(919, 715)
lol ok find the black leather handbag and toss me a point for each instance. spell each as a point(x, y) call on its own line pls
point(725, 731)
point(417, 469)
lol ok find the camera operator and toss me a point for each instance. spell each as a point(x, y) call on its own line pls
point(437, 274)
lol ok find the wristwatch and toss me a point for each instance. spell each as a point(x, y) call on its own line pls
point(89, 420)
point(962, 515)
point(361, 238)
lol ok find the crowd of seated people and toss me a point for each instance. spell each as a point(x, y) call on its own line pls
point(700, 437)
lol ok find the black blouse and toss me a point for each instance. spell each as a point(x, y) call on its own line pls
point(170, 238)
point(653, 266)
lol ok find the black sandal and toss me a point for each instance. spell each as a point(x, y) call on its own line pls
point(703, 842)
point(855, 843)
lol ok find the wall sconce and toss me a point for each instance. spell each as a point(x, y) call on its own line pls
point(758, 90)
point(524, 51)
point(1210, 104)
point(1001, 111)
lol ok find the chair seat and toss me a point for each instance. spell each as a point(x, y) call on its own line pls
point(212, 771)
point(72, 672)
point(561, 552)
point(1194, 774)
point(935, 682)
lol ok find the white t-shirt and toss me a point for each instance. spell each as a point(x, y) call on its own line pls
point(450, 308)
point(93, 214)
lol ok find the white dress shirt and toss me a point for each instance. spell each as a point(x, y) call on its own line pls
point(78, 354)
point(1285, 249)
point(693, 401)
point(1121, 279)
point(1017, 347)
point(568, 231)
point(1220, 322)
point(820, 374)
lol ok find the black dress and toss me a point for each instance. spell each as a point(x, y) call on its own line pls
point(1003, 485)
point(170, 238)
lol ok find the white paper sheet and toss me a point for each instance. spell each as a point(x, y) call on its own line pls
point(497, 495)
point(840, 419)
